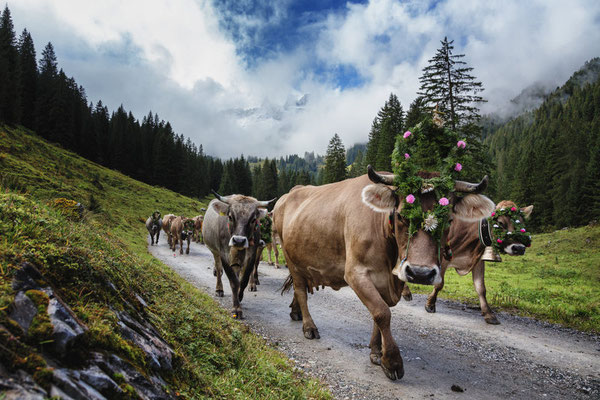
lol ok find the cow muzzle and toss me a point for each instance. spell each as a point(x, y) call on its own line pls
point(515, 249)
point(422, 275)
point(239, 241)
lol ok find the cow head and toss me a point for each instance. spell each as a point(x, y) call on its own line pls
point(188, 228)
point(508, 228)
point(243, 215)
point(419, 254)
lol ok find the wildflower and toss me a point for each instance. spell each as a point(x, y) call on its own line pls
point(499, 240)
point(458, 167)
point(444, 201)
point(523, 230)
point(461, 144)
point(430, 223)
point(406, 156)
point(410, 199)
point(407, 134)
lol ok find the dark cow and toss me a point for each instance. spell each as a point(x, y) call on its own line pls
point(154, 225)
point(230, 231)
point(350, 233)
point(467, 249)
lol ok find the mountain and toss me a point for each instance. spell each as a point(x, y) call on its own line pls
point(550, 156)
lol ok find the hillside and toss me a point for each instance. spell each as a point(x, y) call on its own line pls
point(137, 330)
point(550, 156)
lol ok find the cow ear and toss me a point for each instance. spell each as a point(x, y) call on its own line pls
point(527, 211)
point(220, 208)
point(262, 212)
point(380, 198)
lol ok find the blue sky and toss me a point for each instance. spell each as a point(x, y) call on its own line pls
point(229, 74)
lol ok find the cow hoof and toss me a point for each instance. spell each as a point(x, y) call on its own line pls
point(393, 373)
point(296, 316)
point(430, 308)
point(270, 263)
point(375, 358)
point(219, 293)
point(312, 333)
point(253, 289)
point(407, 297)
point(277, 266)
point(257, 281)
point(187, 252)
point(237, 314)
point(491, 319)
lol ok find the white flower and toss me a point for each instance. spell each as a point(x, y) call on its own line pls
point(496, 226)
point(518, 221)
point(430, 223)
point(509, 233)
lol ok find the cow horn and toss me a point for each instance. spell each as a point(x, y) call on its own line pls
point(379, 178)
point(466, 187)
point(221, 198)
point(265, 204)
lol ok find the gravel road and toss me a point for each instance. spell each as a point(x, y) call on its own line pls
point(444, 353)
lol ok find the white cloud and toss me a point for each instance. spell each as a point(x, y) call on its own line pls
point(172, 57)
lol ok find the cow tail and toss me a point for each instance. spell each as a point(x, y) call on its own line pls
point(287, 285)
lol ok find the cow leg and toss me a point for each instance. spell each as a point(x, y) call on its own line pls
point(234, 282)
point(406, 293)
point(269, 248)
point(432, 298)
point(151, 240)
point(187, 251)
point(218, 272)
point(391, 360)
point(157, 236)
point(375, 345)
point(276, 251)
point(254, 276)
point(173, 243)
point(479, 283)
point(296, 313)
point(308, 325)
point(180, 245)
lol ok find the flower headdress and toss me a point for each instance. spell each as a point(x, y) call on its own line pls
point(501, 236)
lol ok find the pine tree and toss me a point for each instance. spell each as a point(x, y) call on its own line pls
point(416, 112)
point(28, 76)
point(391, 118)
point(447, 82)
point(45, 121)
point(373, 143)
point(335, 161)
point(8, 70)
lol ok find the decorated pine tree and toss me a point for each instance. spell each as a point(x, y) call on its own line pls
point(447, 83)
point(335, 161)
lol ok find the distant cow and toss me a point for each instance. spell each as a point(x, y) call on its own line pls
point(182, 229)
point(198, 219)
point(166, 226)
point(273, 240)
point(154, 224)
point(230, 231)
point(349, 233)
point(466, 248)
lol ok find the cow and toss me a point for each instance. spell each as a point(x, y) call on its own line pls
point(166, 225)
point(350, 233)
point(182, 229)
point(466, 247)
point(154, 225)
point(198, 228)
point(273, 241)
point(254, 276)
point(231, 233)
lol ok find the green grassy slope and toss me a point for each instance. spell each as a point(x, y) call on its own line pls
point(216, 357)
point(557, 280)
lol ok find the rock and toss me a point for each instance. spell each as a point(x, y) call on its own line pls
point(69, 382)
point(26, 277)
point(19, 386)
point(96, 378)
point(23, 310)
point(66, 328)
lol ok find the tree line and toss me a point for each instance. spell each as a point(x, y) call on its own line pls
point(41, 97)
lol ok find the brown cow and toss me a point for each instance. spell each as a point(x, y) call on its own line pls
point(349, 233)
point(198, 219)
point(166, 226)
point(467, 249)
point(182, 229)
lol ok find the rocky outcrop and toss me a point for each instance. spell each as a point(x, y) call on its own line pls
point(101, 375)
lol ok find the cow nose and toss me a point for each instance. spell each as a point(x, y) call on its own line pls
point(519, 249)
point(421, 275)
point(238, 241)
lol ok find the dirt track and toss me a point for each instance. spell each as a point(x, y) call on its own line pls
point(519, 359)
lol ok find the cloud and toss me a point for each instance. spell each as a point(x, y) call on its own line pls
point(228, 74)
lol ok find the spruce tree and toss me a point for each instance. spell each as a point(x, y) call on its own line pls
point(447, 82)
point(416, 112)
point(8, 70)
point(335, 161)
point(391, 118)
point(45, 121)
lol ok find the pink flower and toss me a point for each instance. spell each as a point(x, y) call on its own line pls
point(513, 209)
point(493, 214)
point(461, 144)
point(458, 167)
point(523, 230)
point(410, 199)
point(499, 240)
point(406, 156)
point(407, 134)
point(444, 201)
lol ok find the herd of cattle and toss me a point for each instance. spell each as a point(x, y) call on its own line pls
point(348, 233)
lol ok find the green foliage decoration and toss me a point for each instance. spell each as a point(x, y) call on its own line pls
point(428, 158)
point(501, 235)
